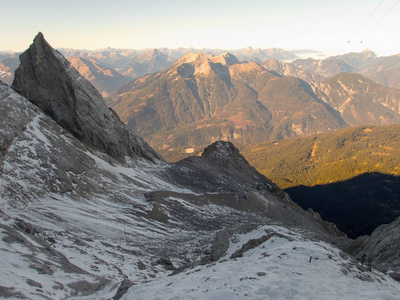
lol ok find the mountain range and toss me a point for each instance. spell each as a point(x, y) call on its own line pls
point(136, 63)
point(201, 99)
point(89, 210)
point(382, 70)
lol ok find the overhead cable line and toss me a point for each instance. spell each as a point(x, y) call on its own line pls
point(355, 33)
point(381, 19)
point(366, 20)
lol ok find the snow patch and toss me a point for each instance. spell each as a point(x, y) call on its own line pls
point(279, 268)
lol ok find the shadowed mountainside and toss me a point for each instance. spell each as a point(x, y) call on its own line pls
point(349, 176)
point(357, 206)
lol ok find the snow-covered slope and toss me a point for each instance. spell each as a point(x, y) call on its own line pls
point(75, 221)
point(273, 262)
point(78, 222)
point(58, 194)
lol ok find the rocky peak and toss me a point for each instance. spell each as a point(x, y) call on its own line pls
point(221, 149)
point(223, 153)
point(48, 80)
point(248, 49)
point(369, 54)
point(192, 57)
point(226, 59)
point(274, 65)
point(151, 54)
point(194, 64)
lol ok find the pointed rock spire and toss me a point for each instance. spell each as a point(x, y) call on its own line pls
point(48, 80)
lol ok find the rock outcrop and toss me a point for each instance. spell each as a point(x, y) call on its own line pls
point(47, 79)
point(381, 249)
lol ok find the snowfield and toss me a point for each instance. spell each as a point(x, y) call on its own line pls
point(278, 268)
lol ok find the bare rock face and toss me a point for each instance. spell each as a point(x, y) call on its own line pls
point(47, 79)
point(381, 249)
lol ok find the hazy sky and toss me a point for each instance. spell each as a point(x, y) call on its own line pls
point(337, 26)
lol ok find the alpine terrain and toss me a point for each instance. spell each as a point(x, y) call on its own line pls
point(204, 98)
point(201, 99)
point(89, 211)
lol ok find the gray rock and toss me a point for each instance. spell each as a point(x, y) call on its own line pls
point(122, 289)
point(381, 250)
point(48, 80)
point(221, 241)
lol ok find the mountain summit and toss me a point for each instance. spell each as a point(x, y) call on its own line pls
point(194, 64)
point(226, 59)
point(47, 79)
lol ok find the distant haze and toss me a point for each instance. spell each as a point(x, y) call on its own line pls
point(334, 27)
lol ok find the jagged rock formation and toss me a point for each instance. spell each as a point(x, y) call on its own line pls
point(47, 79)
point(381, 249)
point(356, 60)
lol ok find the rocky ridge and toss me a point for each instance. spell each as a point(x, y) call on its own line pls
point(47, 79)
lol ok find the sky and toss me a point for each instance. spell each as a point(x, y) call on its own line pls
point(334, 27)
